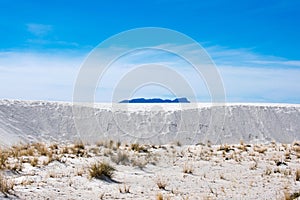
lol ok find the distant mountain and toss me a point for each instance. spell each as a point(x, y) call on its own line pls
point(156, 100)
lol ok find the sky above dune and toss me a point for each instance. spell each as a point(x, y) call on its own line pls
point(254, 45)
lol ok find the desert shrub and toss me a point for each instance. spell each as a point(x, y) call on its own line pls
point(3, 159)
point(101, 171)
point(139, 162)
point(41, 148)
point(159, 196)
point(118, 144)
point(53, 146)
point(6, 185)
point(260, 149)
point(79, 145)
point(161, 184)
point(178, 143)
point(34, 162)
point(16, 166)
point(226, 148)
point(288, 196)
point(111, 144)
point(138, 148)
point(188, 169)
point(125, 189)
point(121, 157)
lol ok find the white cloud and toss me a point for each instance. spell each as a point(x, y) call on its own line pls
point(39, 29)
point(247, 77)
point(37, 75)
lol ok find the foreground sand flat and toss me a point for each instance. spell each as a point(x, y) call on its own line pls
point(203, 171)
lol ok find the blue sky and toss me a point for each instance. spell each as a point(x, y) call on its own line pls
point(255, 44)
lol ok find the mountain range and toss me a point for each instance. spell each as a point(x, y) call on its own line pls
point(156, 100)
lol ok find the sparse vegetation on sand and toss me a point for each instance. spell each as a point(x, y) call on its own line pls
point(159, 171)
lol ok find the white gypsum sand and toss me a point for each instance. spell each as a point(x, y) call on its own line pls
point(174, 168)
point(29, 121)
point(241, 171)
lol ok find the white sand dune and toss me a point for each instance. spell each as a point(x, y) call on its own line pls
point(148, 123)
point(201, 171)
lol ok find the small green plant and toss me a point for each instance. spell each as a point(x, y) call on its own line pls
point(102, 171)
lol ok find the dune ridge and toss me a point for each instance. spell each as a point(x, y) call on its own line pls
point(190, 123)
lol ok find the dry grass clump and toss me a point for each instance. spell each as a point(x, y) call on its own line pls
point(225, 148)
point(34, 161)
point(79, 145)
point(161, 184)
point(296, 148)
point(118, 144)
point(159, 196)
point(21, 150)
point(77, 149)
point(15, 156)
point(178, 143)
point(297, 175)
point(260, 149)
point(288, 196)
point(41, 148)
point(139, 162)
point(102, 171)
point(6, 185)
point(254, 166)
point(188, 169)
point(3, 159)
point(121, 157)
point(268, 171)
point(125, 189)
point(138, 148)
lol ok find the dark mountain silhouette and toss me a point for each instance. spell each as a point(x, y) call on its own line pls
point(156, 100)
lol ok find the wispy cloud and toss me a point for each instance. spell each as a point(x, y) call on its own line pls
point(248, 58)
point(52, 42)
point(247, 76)
point(39, 76)
point(39, 29)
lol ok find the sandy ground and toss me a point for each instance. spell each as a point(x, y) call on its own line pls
point(241, 171)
